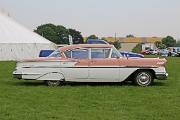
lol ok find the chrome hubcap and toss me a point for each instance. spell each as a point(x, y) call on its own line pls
point(53, 82)
point(144, 78)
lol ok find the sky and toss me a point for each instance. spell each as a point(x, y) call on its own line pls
point(142, 18)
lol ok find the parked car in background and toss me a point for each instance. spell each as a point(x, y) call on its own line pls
point(174, 51)
point(91, 63)
point(149, 52)
point(178, 54)
point(163, 52)
point(131, 54)
point(166, 53)
point(173, 54)
point(153, 52)
point(45, 53)
point(96, 41)
point(145, 52)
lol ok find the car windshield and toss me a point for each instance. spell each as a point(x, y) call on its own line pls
point(115, 53)
point(56, 53)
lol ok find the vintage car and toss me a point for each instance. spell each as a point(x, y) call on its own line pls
point(91, 63)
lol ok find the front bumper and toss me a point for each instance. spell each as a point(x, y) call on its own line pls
point(162, 76)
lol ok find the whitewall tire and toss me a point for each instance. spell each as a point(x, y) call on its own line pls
point(53, 83)
point(143, 78)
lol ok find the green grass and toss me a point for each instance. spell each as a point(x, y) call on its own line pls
point(32, 100)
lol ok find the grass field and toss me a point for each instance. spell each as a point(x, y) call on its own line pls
point(31, 100)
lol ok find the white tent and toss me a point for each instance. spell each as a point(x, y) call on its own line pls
point(17, 42)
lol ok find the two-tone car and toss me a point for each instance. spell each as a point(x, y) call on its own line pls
point(91, 63)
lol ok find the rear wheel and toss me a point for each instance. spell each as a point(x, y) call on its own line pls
point(143, 78)
point(53, 83)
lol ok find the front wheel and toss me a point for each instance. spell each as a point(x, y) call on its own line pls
point(143, 78)
point(53, 83)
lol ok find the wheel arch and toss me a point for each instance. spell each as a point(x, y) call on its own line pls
point(130, 77)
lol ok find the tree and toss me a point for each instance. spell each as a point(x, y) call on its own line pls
point(57, 34)
point(160, 45)
point(137, 48)
point(177, 44)
point(76, 36)
point(117, 44)
point(129, 36)
point(92, 37)
point(103, 38)
point(169, 41)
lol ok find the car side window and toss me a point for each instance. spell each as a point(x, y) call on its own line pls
point(77, 54)
point(99, 53)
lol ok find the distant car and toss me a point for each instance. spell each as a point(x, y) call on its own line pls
point(153, 52)
point(131, 54)
point(45, 53)
point(145, 52)
point(173, 54)
point(149, 52)
point(178, 54)
point(90, 63)
point(96, 41)
point(164, 52)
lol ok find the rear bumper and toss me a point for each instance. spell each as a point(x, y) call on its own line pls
point(162, 76)
point(17, 75)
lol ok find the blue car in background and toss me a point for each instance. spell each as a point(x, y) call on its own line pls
point(96, 41)
point(123, 53)
point(131, 54)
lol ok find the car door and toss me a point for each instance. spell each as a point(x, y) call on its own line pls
point(76, 69)
point(103, 68)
